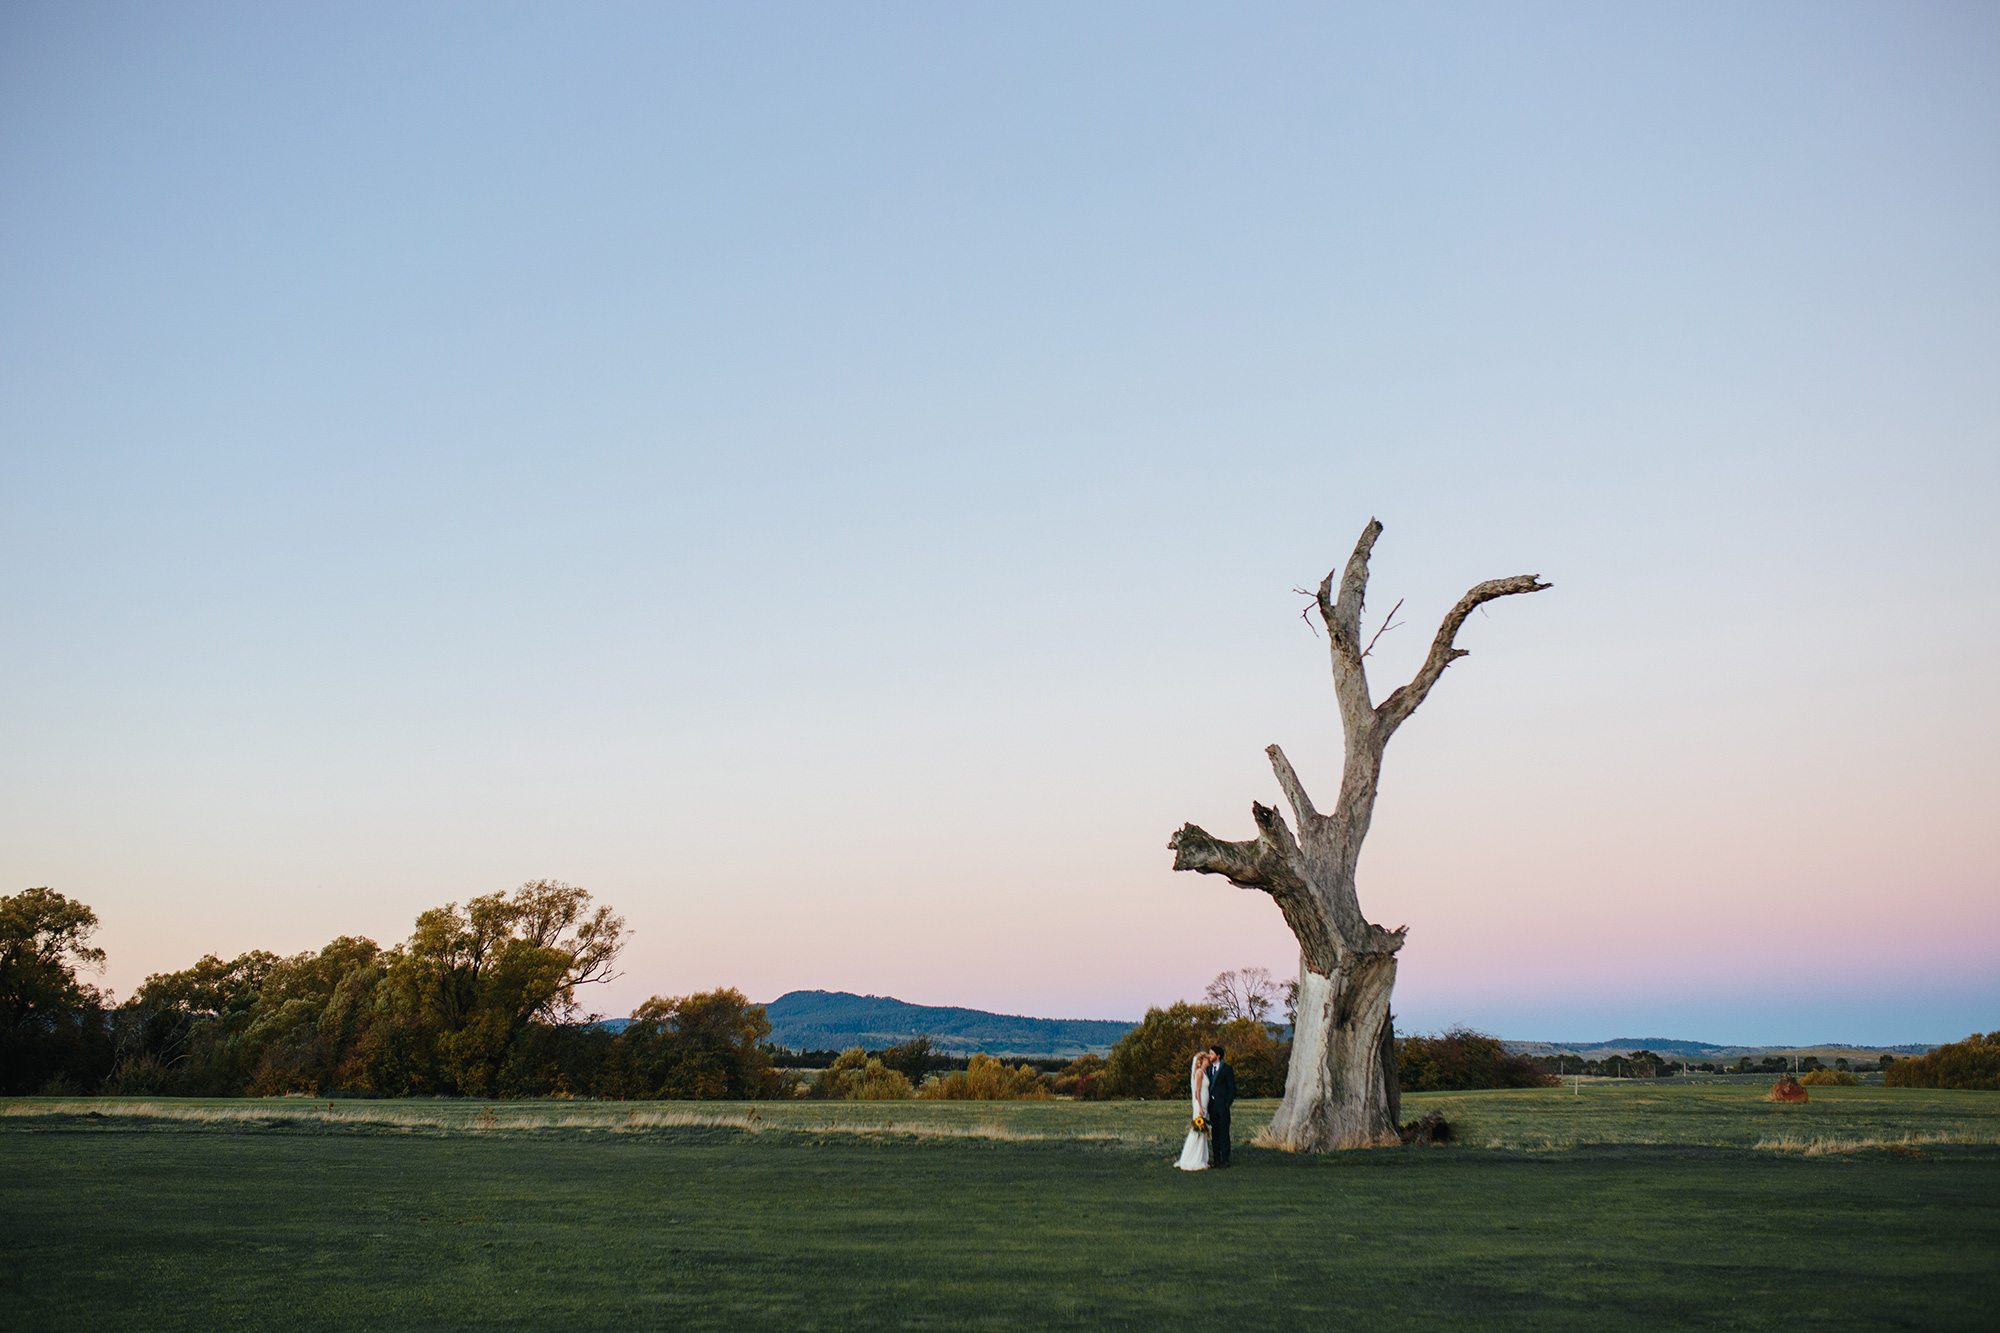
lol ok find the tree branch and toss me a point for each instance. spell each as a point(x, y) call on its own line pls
point(1343, 629)
point(1271, 862)
point(1403, 700)
point(1388, 623)
point(1295, 792)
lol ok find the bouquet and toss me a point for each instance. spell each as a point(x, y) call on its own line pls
point(1199, 1124)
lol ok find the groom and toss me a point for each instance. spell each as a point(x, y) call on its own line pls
point(1221, 1094)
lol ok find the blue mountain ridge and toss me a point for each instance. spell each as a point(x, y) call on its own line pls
point(806, 1020)
point(819, 1020)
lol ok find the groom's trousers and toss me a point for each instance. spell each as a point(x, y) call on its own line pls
point(1218, 1135)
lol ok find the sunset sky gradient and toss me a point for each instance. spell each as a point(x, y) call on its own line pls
point(831, 481)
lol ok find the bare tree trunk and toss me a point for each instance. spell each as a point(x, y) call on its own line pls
point(1341, 1091)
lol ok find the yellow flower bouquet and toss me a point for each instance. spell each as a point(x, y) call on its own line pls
point(1200, 1124)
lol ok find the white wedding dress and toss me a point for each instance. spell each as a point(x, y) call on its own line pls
point(1194, 1153)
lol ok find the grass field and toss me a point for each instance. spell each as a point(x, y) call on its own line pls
point(1630, 1205)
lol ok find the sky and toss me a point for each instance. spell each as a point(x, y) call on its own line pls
point(832, 480)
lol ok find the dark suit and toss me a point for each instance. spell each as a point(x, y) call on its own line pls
point(1221, 1096)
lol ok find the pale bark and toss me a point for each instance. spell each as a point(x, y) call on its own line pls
point(1341, 1091)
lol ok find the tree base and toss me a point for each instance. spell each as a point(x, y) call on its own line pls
point(1341, 1090)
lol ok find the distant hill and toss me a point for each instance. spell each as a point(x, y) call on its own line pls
point(820, 1020)
point(833, 1020)
point(1699, 1050)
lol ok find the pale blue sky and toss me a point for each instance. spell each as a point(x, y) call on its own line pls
point(830, 480)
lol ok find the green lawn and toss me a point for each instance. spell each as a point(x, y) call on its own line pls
point(1631, 1205)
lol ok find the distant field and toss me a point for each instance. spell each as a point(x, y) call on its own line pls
point(1629, 1205)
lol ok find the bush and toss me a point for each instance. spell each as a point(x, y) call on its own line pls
point(857, 1076)
point(1082, 1079)
point(985, 1079)
point(1829, 1078)
point(1461, 1060)
point(1969, 1065)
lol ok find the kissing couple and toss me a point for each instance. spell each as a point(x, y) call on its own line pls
point(1213, 1085)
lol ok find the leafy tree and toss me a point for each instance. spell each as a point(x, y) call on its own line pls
point(916, 1059)
point(1645, 1064)
point(311, 1013)
point(1972, 1064)
point(703, 1047)
point(480, 1001)
point(51, 1024)
point(1152, 1059)
point(1461, 1059)
point(471, 982)
point(186, 1032)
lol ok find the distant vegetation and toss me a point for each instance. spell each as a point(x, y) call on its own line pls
point(1829, 1078)
point(480, 1001)
point(986, 1079)
point(1972, 1064)
point(1639, 1064)
point(1152, 1060)
point(1463, 1060)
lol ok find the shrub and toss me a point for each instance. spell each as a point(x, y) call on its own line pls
point(1461, 1060)
point(857, 1076)
point(1082, 1079)
point(985, 1079)
point(1972, 1065)
point(1829, 1078)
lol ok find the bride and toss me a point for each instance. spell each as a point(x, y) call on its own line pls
point(1194, 1153)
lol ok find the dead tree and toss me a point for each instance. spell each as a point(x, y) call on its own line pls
point(1341, 1091)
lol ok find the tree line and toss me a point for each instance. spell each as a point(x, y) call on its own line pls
point(482, 1001)
point(1972, 1064)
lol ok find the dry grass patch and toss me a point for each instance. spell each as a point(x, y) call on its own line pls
point(1911, 1145)
point(505, 1119)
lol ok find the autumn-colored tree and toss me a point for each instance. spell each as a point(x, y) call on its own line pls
point(1082, 1079)
point(986, 1078)
point(857, 1076)
point(1972, 1064)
